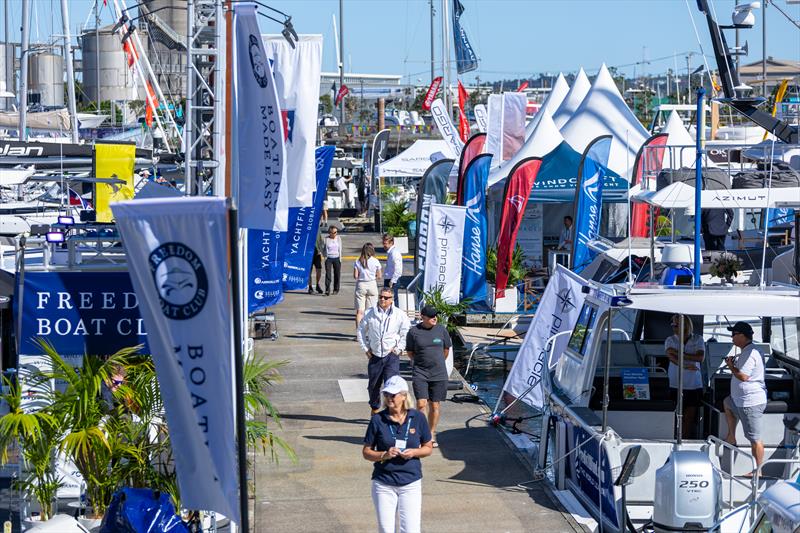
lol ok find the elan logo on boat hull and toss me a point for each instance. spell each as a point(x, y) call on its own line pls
point(36, 151)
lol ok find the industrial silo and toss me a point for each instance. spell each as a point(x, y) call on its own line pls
point(46, 79)
point(118, 81)
point(165, 21)
point(7, 75)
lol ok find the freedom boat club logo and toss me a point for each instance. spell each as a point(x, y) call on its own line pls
point(180, 279)
point(258, 62)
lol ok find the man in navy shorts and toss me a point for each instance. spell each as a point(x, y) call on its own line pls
point(428, 346)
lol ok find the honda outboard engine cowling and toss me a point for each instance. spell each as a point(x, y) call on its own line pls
point(688, 493)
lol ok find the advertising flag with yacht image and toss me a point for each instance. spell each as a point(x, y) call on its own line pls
point(473, 268)
point(515, 199)
point(557, 313)
point(446, 247)
point(589, 199)
point(259, 153)
point(177, 253)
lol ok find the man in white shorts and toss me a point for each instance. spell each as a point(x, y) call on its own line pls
point(748, 398)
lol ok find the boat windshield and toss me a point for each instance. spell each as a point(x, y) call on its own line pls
point(582, 330)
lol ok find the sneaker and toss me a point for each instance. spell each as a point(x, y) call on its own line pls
point(310, 290)
point(335, 293)
point(327, 293)
point(319, 289)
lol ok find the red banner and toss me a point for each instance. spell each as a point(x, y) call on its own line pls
point(518, 190)
point(650, 161)
point(343, 91)
point(148, 114)
point(522, 86)
point(472, 148)
point(463, 96)
point(463, 126)
point(130, 51)
point(430, 96)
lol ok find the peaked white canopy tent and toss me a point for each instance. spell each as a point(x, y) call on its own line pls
point(682, 153)
point(414, 160)
point(550, 104)
point(604, 112)
point(580, 87)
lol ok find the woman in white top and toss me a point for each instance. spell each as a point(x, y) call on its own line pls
point(366, 271)
point(333, 260)
point(693, 354)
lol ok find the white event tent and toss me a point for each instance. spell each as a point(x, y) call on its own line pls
point(679, 136)
point(604, 112)
point(414, 160)
point(571, 102)
point(550, 104)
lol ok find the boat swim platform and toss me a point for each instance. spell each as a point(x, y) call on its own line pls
point(469, 482)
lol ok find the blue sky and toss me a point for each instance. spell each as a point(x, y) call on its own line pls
point(513, 38)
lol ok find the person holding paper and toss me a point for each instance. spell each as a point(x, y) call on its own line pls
point(693, 354)
point(397, 438)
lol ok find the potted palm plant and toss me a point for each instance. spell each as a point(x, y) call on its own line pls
point(510, 302)
point(37, 435)
point(396, 219)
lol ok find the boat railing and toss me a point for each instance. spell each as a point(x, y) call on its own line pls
point(720, 444)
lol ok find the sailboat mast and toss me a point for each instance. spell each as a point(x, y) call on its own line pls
point(341, 58)
point(433, 59)
point(22, 97)
point(446, 60)
point(70, 72)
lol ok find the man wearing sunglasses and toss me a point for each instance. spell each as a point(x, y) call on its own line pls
point(382, 336)
point(748, 398)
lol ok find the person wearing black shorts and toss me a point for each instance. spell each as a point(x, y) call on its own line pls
point(428, 346)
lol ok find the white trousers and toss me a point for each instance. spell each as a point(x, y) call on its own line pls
point(403, 500)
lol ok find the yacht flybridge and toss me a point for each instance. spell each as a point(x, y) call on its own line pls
point(613, 435)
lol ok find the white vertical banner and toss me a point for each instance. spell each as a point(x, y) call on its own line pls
point(297, 71)
point(259, 152)
point(177, 252)
point(446, 129)
point(514, 105)
point(445, 250)
point(530, 236)
point(481, 118)
point(557, 312)
point(494, 129)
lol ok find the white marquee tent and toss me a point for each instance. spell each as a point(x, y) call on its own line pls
point(604, 112)
point(572, 100)
point(414, 160)
point(550, 104)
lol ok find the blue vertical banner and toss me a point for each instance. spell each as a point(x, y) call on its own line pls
point(466, 60)
point(304, 226)
point(589, 199)
point(473, 265)
point(264, 269)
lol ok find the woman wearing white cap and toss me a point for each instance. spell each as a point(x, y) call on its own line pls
point(396, 439)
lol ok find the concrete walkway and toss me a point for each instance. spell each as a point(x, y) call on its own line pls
point(469, 481)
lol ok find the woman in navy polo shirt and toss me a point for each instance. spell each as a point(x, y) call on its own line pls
point(396, 439)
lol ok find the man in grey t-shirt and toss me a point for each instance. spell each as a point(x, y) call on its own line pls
point(428, 346)
point(748, 398)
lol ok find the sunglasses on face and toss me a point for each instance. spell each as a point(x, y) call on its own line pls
point(117, 381)
point(385, 297)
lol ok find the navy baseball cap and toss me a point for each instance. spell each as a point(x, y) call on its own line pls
point(742, 327)
point(429, 311)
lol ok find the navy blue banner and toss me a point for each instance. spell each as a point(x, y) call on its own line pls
point(473, 265)
point(466, 60)
point(304, 226)
point(264, 269)
point(589, 192)
point(95, 313)
point(432, 189)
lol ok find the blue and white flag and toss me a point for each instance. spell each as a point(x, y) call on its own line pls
point(264, 268)
point(466, 60)
point(304, 227)
point(259, 152)
point(589, 201)
point(473, 266)
point(177, 252)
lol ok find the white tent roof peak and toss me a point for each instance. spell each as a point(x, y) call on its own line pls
point(678, 134)
point(544, 139)
point(550, 104)
point(414, 160)
point(602, 112)
point(580, 87)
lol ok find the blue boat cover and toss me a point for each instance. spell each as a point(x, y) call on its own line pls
point(141, 511)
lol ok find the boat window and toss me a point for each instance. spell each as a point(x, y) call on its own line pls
point(583, 327)
point(784, 338)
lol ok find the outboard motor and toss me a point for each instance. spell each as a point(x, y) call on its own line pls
point(688, 493)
